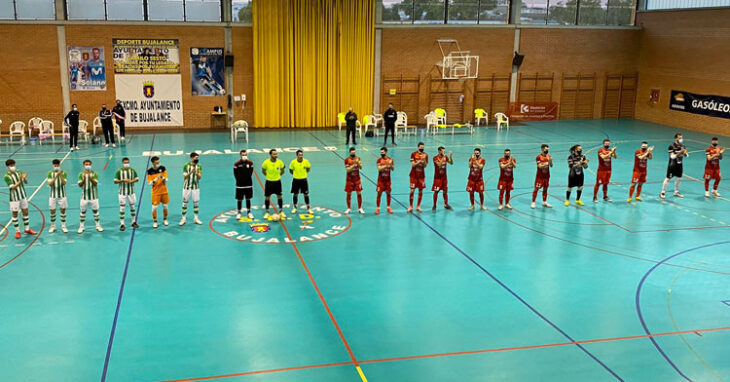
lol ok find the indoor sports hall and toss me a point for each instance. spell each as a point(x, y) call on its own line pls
point(537, 279)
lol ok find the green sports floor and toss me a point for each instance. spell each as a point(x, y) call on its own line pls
point(608, 291)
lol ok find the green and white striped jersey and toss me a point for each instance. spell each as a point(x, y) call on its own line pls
point(16, 193)
point(58, 188)
point(125, 174)
point(190, 172)
point(88, 189)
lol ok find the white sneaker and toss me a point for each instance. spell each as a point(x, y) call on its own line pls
point(717, 194)
point(81, 228)
point(547, 205)
point(282, 215)
point(347, 211)
point(165, 222)
point(500, 207)
point(72, 149)
point(484, 208)
point(509, 206)
point(98, 228)
point(77, 148)
point(361, 211)
point(122, 138)
point(183, 220)
point(294, 210)
point(532, 205)
point(309, 211)
point(197, 221)
point(663, 195)
point(106, 145)
point(64, 229)
point(707, 194)
point(266, 216)
point(154, 224)
point(52, 229)
point(250, 215)
point(471, 208)
point(238, 216)
point(678, 194)
point(114, 145)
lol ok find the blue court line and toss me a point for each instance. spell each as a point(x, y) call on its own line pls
point(124, 278)
point(503, 285)
point(638, 300)
point(14, 152)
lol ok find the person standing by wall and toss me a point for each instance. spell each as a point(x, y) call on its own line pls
point(105, 115)
point(120, 115)
point(72, 120)
point(389, 119)
point(351, 119)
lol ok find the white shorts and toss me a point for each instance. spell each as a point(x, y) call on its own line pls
point(21, 204)
point(191, 194)
point(93, 204)
point(131, 199)
point(61, 203)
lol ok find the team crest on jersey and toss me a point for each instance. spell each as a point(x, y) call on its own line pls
point(148, 89)
point(301, 227)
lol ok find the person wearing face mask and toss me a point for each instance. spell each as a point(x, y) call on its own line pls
point(353, 165)
point(351, 120)
point(440, 179)
point(89, 181)
point(120, 116)
point(390, 117)
point(641, 159)
point(476, 181)
point(56, 180)
point(542, 179)
point(126, 177)
point(419, 161)
point(157, 178)
point(299, 168)
point(72, 121)
point(712, 167)
point(577, 162)
point(677, 151)
point(192, 172)
point(507, 166)
point(603, 176)
point(385, 167)
point(273, 169)
point(243, 172)
point(16, 181)
point(105, 115)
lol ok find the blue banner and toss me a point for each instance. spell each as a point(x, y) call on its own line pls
point(87, 70)
point(207, 71)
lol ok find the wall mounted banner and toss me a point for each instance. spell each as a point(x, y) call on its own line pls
point(151, 100)
point(207, 72)
point(146, 56)
point(533, 111)
point(86, 68)
point(710, 105)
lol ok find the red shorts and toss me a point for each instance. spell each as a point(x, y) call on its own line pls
point(506, 185)
point(351, 186)
point(638, 177)
point(383, 187)
point(603, 177)
point(419, 183)
point(472, 186)
point(712, 174)
point(440, 184)
point(542, 183)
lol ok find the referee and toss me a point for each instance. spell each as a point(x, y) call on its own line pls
point(243, 171)
point(273, 169)
point(677, 151)
point(299, 168)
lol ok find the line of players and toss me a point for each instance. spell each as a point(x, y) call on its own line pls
point(273, 169)
point(88, 181)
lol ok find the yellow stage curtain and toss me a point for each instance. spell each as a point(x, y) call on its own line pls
point(312, 60)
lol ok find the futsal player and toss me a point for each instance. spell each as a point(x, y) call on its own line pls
point(16, 181)
point(419, 161)
point(577, 162)
point(507, 166)
point(299, 168)
point(712, 167)
point(476, 182)
point(273, 169)
point(57, 180)
point(243, 171)
point(353, 165)
point(385, 166)
point(89, 181)
point(641, 157)
point(542, 178)
point(677, 151)
point(126, 177)
point(603, 176)
point(440, 180)
point(192, 172)
point(157, 178)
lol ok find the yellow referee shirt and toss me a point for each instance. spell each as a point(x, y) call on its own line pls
point(273, 169)
point(299, 168)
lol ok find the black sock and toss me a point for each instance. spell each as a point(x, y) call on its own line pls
point(248, 204)
point(578, 194)
point(281, 203)
point(567, 195)
point(306, 200)
point(296, 200)
point(267, 203)
point(238, 203)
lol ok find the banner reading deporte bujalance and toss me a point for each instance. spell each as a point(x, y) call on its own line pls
point(150, 100)
point(153, 56)
point(711, 105)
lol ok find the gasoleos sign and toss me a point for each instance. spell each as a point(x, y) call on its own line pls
point(710, 105)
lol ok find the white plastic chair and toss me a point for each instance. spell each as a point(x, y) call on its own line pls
point(84, 129)
point(358, 128)
point(34, 123)
point(17, 128)
point(47, 130)
point(430, 123)
point(239, 126)
point(95, 124)
point(116, 132)
point(502, 119)
point(401, 121)
point(480, 115)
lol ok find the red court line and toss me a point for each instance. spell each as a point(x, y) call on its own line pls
point(604, 219)
point(451, 354)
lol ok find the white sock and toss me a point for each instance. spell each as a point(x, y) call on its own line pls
point(676, 184)
point(664, 185)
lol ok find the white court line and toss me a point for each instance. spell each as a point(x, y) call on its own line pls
point(38, 188)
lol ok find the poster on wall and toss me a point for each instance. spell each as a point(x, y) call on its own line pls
point(710, 105)
point(533, 111)
point(207, 72)
point(148, 56)
point(86, 68)
point(150, 100)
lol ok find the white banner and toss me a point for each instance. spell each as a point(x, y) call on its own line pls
point(150, 100)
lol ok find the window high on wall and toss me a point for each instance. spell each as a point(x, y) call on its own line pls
point(242, 11)
point(157, 10)
point(442, 11)
point(27, 9)
point(677, 4)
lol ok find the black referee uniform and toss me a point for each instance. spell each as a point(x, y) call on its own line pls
point(675, 168)
point(576, 175)
point(389, 118)
point(243, 171)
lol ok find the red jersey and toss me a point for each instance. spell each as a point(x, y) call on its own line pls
point(604, 164)
point(506, 174)
point(543, 172)
point(439, 164)
point(418, 171)
point(712, 164)
point(384, 175)
point(475, 173)
point(354, 175)
point(640, 164)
